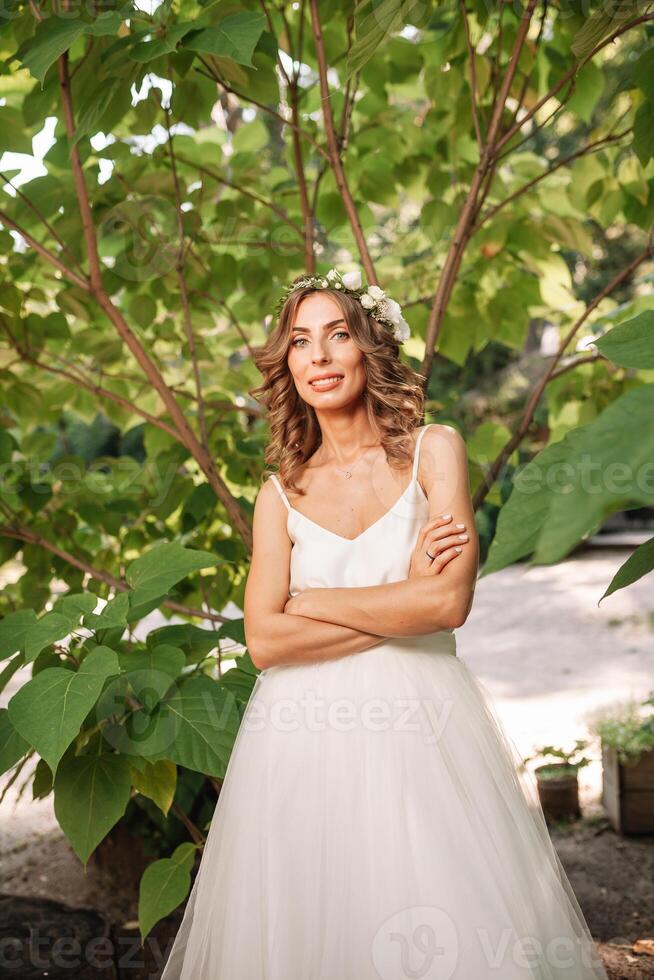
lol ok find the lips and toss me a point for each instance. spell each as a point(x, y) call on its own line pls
point(328, 381)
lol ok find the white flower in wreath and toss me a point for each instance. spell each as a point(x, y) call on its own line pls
point(402, 331)
point(393, 311)
point(376, 292)
point(352, 280)
point(332, 274)
point(367, 301)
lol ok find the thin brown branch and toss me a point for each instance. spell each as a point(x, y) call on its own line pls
point(195, 833)
point(272, 31)
point(334, 154)
point(243, 190)
point(181, 281)
point(44, 221)
point(45, 253)
point(589, 148)
point(492, 472)
point(99, 390)
point(574, 362)
point(298, 160)
point(20, 533)
point(473, 75)
point(461, 235)
point(210, 73)
point(528, 75)
point(186, 435)
point(569, 74)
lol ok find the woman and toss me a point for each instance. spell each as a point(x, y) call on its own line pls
point(375, 820)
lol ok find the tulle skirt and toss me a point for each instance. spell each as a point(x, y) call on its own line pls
point(376, 822)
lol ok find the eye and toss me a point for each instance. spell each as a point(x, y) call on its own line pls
point(343, 333)
point(294, 343)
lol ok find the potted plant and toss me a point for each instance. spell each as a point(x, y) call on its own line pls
point(626, 730)
point(558, 784)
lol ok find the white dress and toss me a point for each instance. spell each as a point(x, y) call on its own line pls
point(375, 820)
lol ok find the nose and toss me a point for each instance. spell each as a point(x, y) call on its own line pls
point(319, 354)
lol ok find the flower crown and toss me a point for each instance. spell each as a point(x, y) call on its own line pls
point(373, 299)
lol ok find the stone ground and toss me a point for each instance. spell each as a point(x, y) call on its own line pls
point(548, 657)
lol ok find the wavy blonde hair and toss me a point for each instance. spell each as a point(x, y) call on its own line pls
point(393, 395)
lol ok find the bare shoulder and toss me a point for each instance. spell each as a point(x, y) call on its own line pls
point(269, 520)
point(439, 437)
point(443, 456)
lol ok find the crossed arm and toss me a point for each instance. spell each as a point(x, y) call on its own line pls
point(327, 623)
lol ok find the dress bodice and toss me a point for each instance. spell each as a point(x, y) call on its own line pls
point(380, 554)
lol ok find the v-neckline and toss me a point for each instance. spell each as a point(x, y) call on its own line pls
point(341, 537)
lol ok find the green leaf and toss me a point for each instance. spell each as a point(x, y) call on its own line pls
point(159, 569)
point(95, 105)
point(193, 640)
point(164, 43)
point(630, 344)
point(12, 744)
point(239, 682)
point(157, 781)
point(640, 563)
point(15, 629)
point(53, 36)
point(573, 485)
point(642, 73)
point(22, 631)
point(113, 614)
point(150, 673)
point(234, 37)
point(164, 885)
point(91, 793)
point(376, 22)
point(644, 133)
point(74, 605)
point(233, 629)
point(195, 727)
point(49, 710)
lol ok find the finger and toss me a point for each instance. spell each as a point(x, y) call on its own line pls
point(437, 541)
point(440, 521)
point(446, 556)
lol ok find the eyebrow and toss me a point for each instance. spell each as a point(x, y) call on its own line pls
point(325, 326)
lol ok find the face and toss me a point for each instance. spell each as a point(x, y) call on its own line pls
point(321, 346)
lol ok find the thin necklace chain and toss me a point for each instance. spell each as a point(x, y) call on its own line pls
point(347, 473)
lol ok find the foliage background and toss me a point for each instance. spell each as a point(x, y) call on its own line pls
point(490, 164)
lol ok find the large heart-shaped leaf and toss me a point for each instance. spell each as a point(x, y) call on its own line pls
point(49, 710)
point(91, 793)
point(163, 566)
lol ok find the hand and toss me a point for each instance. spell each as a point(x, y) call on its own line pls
point(440, 539)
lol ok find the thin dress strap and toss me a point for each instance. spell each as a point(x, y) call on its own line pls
point(280, 490)
point(416, 454)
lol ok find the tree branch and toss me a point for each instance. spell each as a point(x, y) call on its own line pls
point(45, 222)
point(20, 533)
point(45, 253)
point(186, 434)
point(473, 76)
point(461, 234)
point(334, 154)
point(590, 147)
point(569, 74)
point(518, 435)
point(243, 190)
